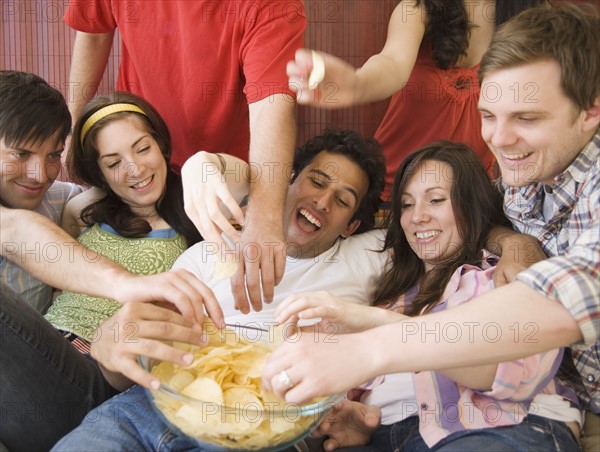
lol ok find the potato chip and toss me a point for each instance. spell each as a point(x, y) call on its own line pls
point(318, 71)
point(230, 408)
point(225, 267)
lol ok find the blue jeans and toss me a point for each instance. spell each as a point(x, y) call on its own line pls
point(46, 385)
point(126, 422)
point(535, 433)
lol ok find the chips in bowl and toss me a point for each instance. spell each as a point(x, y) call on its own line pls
point(219, 400)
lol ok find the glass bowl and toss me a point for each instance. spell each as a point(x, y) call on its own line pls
point(231, 412)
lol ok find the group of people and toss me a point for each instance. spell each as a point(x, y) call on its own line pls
point(412, 303)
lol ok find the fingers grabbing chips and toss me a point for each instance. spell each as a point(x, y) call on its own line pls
point(224, 402)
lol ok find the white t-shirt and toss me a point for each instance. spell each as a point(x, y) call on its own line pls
point(349, 269)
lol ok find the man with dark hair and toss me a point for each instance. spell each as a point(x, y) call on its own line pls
point(336, 175)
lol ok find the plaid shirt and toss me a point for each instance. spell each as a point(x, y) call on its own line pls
point(571, 275)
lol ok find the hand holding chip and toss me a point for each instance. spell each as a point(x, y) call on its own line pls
point(321, 79)
point(208, 199)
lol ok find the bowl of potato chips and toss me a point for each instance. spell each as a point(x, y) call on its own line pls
point(218, 400)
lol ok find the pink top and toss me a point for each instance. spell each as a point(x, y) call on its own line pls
point(446, 407)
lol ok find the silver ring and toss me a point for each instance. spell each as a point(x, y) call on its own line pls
point(285, 379)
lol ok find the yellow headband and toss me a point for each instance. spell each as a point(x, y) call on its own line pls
point(106, 111)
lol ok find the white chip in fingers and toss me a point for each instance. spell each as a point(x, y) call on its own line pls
point(225, 267)
point(318, 72)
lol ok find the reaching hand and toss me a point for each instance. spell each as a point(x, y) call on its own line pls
point(178, 287)
point(318, 365)
point(337, 315)
point(142, 329)
point(335, 90)
point(349, 424)
point(205, 188)
point(262, 264)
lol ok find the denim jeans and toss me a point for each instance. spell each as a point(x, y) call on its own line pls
point(46, 385)
point(126, 422)
point(535, 433)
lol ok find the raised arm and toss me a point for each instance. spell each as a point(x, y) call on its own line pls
point(90, 55)
point(212, 182)
point(272, 140)
point(381, 76)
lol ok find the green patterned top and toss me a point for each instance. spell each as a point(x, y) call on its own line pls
point(82, 314)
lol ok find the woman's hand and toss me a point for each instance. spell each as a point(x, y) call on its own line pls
point(179, 288)
point(337, 315)
point(335, 90)
point(212, 182)
point(142, 329)
point(318, 365)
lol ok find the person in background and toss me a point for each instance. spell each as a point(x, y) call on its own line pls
point(428, 65)
point(215, 71)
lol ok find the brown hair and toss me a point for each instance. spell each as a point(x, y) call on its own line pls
point(565, 33)
point(477, 207)
point(83, 167)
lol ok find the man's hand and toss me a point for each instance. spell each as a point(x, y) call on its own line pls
point(517, 253)
point(178, 287)
point(142, 329)
point(349, 424)
point(262, 264)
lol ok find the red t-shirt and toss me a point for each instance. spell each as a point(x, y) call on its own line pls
point(435, 104)
point(200, 63)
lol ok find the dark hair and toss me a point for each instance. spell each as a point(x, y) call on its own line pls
point(565, 33)
point(448, 28)
point(477, 207)
point(31, 110)
point(365, 152)
point(83, 167)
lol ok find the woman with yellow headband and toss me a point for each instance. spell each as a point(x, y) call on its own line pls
point(122, 146)
point(134, 215)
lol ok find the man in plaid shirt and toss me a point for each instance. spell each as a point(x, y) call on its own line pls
point(540, 106)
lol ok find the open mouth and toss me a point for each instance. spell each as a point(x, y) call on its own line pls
point(427, 234)
point(308, 222)
point(516, 157)
point(143, 183)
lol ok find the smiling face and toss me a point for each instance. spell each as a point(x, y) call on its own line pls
point(427, 217)
point(321, 202)
point(27, 170)
point(534, 130)
point(132, 164)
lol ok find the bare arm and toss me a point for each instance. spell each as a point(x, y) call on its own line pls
point(212, 182)
point(272, 140)
point(79, 269)
point(489, 334)
point(381, 76)
point(71, 221)
point(517, 252)
point(90, 55)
